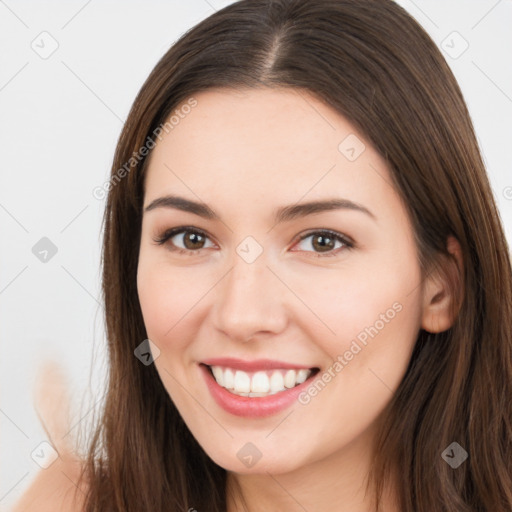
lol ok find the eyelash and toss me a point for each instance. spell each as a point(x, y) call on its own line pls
point(162, 239)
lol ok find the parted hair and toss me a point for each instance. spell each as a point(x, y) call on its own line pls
point(371, 62)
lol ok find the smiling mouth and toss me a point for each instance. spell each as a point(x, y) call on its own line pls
point(261, 383)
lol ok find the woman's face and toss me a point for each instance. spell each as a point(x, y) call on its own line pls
point(235, 292)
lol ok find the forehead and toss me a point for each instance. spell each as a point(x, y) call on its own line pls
point(263, 143)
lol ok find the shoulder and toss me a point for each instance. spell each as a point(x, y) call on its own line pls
point(55, 489)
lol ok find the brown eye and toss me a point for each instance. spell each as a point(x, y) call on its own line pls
point(193, 240)
point(324, 242)
point(185, 240)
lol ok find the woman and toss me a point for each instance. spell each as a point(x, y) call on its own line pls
point(308, 290)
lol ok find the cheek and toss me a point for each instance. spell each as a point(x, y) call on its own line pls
point(368, 358)
point(164, 296)
point(172, 301)
point(370, 317)
point(349, 301)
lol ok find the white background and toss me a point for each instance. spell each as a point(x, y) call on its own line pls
point(59, 122)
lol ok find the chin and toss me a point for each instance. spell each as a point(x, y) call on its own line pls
point(239, 461)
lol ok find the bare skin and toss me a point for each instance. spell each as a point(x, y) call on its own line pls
point(246, 154)
point(56, 488)
point(53, 489)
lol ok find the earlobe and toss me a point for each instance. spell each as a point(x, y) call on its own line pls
point(442, 291)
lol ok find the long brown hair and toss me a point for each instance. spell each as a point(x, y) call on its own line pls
point(373, 63)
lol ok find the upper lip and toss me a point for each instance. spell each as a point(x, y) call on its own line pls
point(254, 365)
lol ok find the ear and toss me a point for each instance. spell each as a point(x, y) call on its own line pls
point(443, 290)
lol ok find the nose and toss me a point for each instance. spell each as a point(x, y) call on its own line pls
point(249, 302)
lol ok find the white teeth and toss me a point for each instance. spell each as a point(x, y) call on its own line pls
point(242, 382)
point(289, 379)
point(302, 375)
point(260, 383)
point(229, 379)
point(276, 383)
point(218, 374)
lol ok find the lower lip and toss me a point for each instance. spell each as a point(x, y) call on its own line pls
point(252, 407)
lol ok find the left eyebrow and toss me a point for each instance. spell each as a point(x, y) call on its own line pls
point(288, 213)
point(282, 214)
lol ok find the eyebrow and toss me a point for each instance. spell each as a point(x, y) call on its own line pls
point(282, 214)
